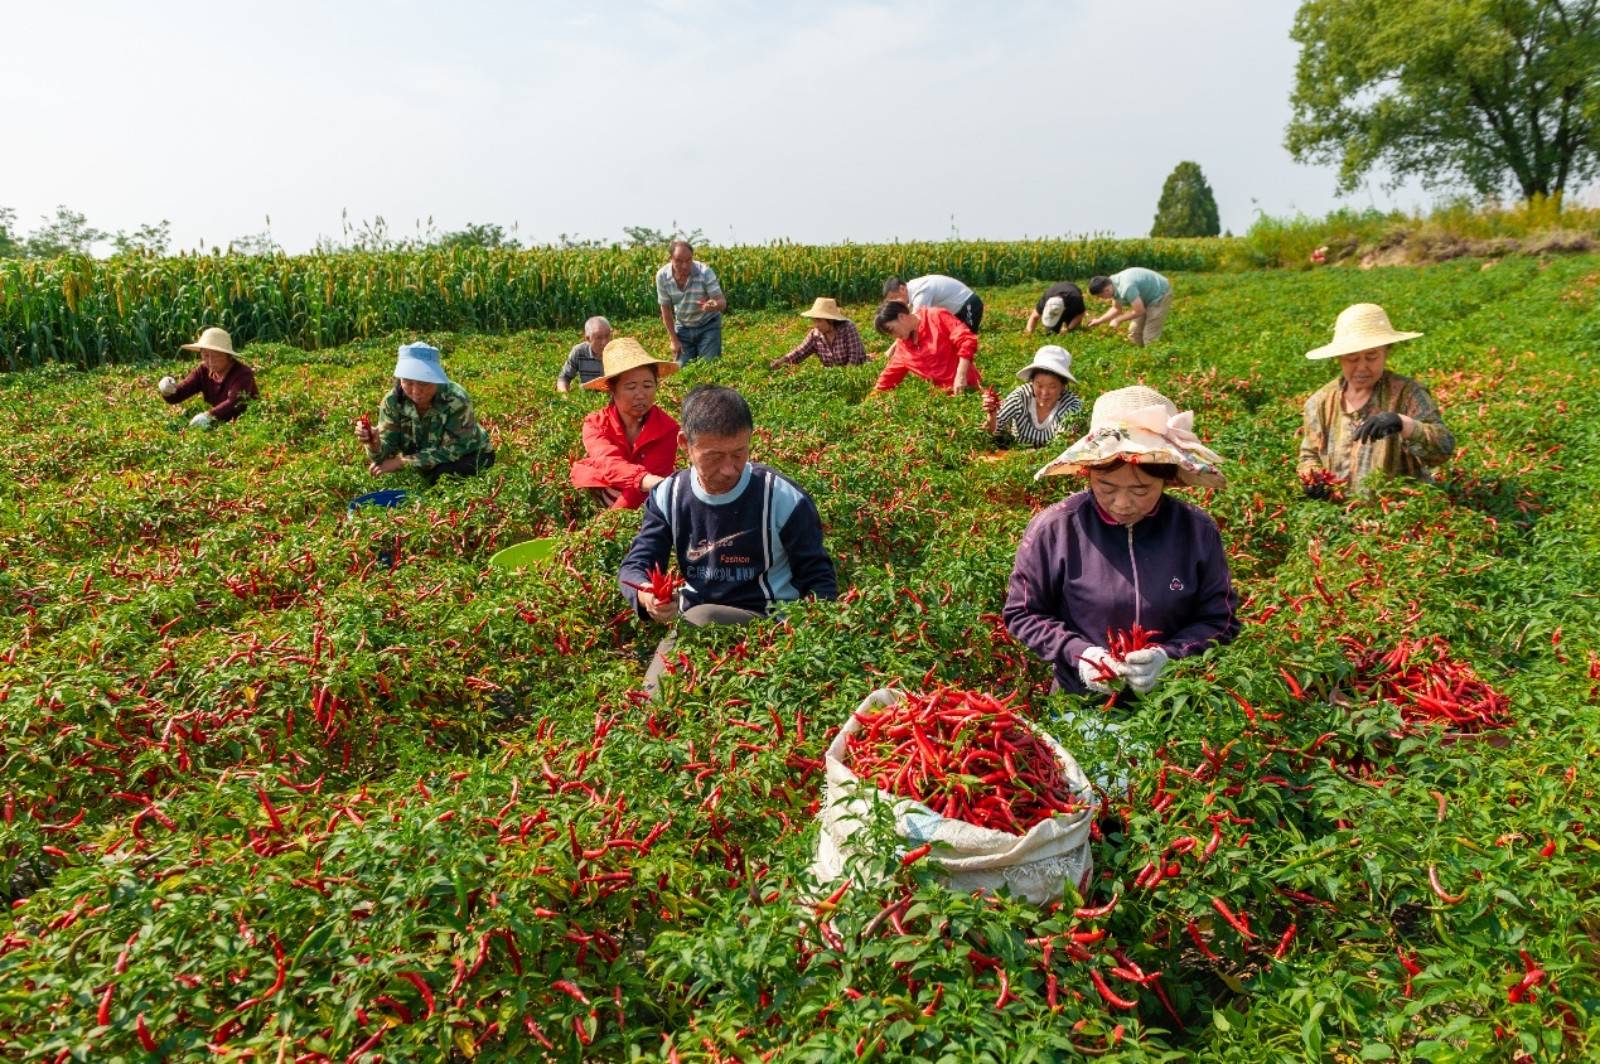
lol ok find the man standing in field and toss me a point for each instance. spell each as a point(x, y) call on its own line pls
point(691, 305)
point(1139, 296)
point(747, 538)
point(583, 361)
point(937, 290)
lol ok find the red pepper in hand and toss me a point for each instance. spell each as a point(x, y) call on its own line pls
point(663, 586)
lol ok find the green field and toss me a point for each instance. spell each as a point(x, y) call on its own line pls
point(311, 786)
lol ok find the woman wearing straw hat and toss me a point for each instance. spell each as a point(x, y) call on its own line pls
point(1369, 418)
point(630, 444)
point(1042, 408)
point(425, 423)
point(833, 338)
point(226, 383)
point(1124, 552)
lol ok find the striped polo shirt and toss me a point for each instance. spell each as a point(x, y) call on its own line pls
point(685, 302)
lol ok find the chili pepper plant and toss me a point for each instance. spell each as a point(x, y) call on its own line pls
point(283, 784)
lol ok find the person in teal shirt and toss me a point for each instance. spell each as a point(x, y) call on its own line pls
point(1138, 296)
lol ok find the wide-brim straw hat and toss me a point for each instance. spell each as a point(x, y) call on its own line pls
point(1140, 426)
point(420, 362)
point(214, 339)
point(1055, 308)
point(1360, 328)
point(1052, 358)
point(825, 308)
point(621, 355)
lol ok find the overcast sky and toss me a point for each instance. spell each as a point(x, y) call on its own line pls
point(819, 122)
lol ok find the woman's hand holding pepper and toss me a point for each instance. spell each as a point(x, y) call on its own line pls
point(1143, 667)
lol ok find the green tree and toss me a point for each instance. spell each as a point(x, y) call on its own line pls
point(643, 236)
point(479, 235)
point(1481, 93)
point(68, 233)
point(1187, 207)
point(145, 240)
point(10, 245)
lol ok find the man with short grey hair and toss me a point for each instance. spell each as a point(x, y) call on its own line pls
point(747, 539)
point(583, 361)
point(692, 303)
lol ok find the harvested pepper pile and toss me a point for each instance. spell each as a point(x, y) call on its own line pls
point(1427, 684)
point(964, 754)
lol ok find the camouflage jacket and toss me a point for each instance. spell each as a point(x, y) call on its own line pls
point(448, 431)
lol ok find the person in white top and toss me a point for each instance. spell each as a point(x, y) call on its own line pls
point(937, 290)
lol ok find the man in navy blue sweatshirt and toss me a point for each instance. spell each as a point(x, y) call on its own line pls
point(746, 537)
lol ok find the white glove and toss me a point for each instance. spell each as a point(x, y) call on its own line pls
point(166, 385)
point(1143, 667)
point(1091, 674)
point(202, 420)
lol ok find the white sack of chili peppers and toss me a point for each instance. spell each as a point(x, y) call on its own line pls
point(1035, 864)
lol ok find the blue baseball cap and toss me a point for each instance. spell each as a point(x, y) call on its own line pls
point(420, 362)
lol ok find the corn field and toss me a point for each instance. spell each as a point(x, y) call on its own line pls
point(88, 312)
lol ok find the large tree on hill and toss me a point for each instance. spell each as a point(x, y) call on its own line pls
point(1482, 93)
point(1187, 207)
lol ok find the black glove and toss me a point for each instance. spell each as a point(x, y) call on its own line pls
point(1378, 427)
point(1316, 491)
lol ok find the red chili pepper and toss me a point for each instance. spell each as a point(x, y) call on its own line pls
point(366, 1047)
point(1443, 895)
point(143, 1032)
point(65, 825)
point(274, 821)
point(1200, 942)
point(1110, 995)
point(277, 982)
point(570, 989)
point(1006, 996)
point(1095, 912)
point(102, 1015)
point(1283, 943)
point(416, 980)
point(1239, 923)
point(1532, 976)
point(913, 856)
point(1548, 850)
point(663, 586)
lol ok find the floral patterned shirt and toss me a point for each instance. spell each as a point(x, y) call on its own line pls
point(1326, 438)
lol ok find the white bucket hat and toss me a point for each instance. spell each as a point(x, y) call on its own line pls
point(1054, 309)
point(1360, 327)
point(213, 339)
point(1140, 426)
point(1052, 358)
point(420, 362)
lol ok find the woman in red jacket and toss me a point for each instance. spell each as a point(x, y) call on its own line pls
point(630, 444)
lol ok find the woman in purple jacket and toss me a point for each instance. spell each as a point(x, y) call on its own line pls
point(1124, 552)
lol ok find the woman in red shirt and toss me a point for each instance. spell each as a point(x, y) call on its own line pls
point(932, 343)
point(630, 444)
